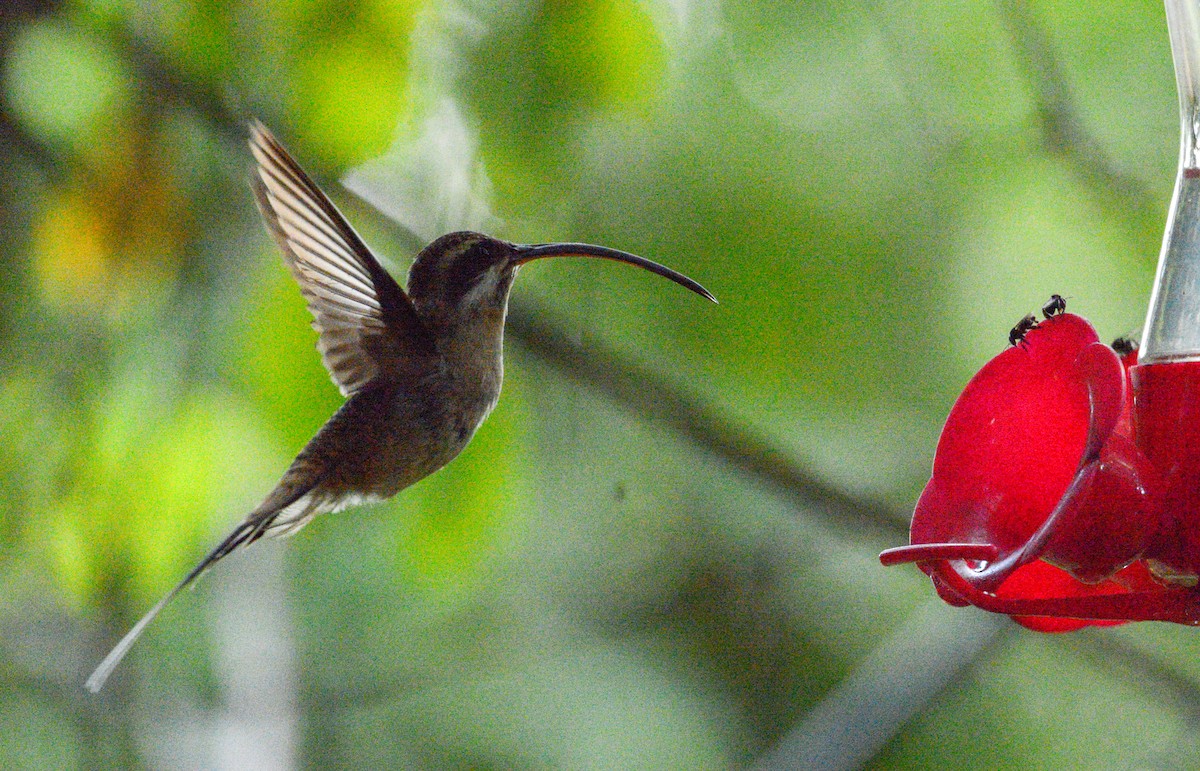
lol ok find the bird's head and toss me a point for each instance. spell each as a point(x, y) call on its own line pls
point(465, 273)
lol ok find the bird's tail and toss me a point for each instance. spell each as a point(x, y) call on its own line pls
point(247, 532)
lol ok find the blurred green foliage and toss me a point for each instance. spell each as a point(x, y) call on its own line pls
point(874, 192)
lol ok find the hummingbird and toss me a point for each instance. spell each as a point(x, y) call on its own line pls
point(420, 370)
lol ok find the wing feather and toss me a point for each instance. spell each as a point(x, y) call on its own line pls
point(366, 324)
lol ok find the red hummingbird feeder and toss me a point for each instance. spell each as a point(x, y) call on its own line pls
point(1066, 484)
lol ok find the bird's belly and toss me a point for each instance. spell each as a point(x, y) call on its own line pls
point(423, 440)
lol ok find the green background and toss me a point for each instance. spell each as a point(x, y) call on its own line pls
point(660, 551)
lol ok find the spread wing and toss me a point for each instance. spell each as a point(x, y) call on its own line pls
point(366, 324)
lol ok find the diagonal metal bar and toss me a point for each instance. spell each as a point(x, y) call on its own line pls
point(933, 649)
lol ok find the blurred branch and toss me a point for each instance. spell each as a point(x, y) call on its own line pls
point(1106, 648)
point(20, 142)
point(1062, 130)
point(653, 397)
point(166, 82)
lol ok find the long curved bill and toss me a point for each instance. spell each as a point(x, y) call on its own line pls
point(527, 252)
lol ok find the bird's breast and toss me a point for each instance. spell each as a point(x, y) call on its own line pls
point(429, 428)
point(391, 436)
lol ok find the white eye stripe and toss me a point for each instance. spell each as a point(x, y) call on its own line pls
point(484, 285)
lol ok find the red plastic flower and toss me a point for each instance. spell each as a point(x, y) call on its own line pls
point(1060, 492)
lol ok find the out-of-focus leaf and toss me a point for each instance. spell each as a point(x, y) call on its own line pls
point(582, 707)
point(66, 85)
point(145, 500)
point(338, 70)
point(534, 80)
point(194, 33)
point(276, 358)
